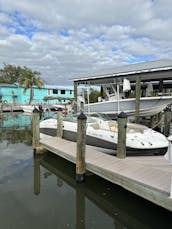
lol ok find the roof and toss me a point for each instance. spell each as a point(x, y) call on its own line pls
point(7, 85)
point(58, 87)
point(44, 87)
point(128, 71)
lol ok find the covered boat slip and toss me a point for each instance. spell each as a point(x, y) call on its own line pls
point(146, 176)
point(157, 73)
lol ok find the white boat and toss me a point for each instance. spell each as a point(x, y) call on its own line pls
point(30, 108)
point(27, 108)
point(116, 101)
point(148, 106)
point(104, 133)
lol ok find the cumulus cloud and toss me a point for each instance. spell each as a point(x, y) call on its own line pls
point(64, 38)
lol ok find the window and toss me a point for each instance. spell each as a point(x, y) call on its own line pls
point(62, 92)
point(55, 91)
point(70, 92)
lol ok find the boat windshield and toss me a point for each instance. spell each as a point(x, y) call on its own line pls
point(73, 118)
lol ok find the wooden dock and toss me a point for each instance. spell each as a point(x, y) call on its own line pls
point(147, 176)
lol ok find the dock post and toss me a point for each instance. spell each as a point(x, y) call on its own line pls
point(167, 121)
point(80, 154)
point(122, 125)
point(137, 95)
point(35, 129)
point(82, 107)
point(59, 124)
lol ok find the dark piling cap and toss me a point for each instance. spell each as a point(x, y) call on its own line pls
point(35, 110)
point(122, 115)
point(82, 116)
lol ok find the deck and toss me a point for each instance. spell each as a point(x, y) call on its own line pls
point(146, 176)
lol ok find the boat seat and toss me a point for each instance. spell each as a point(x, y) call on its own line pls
point(95, 126)
point(113, 126)
point(135, 128)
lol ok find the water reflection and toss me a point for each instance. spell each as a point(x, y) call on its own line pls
point(57, 201)
point(16, 120)
point(98, 203)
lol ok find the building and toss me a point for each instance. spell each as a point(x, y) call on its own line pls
point(12, 93)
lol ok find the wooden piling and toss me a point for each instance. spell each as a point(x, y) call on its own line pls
point(167, 121)
point(137, 95)
point(35, 129)
point(82, 107)
point(59, 124)
point(121, 146)
point(80, 154)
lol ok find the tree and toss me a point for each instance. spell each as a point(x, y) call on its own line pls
point(32, 79)
point(11, 74)
point(93, 95)
point(23, 76)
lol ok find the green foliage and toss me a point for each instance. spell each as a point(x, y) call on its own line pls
point(15, 74)
point(93, 96)
point(32, 79)
point(11, 74)
point(23, 76)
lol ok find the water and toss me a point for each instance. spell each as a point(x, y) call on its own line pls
point(39, 191)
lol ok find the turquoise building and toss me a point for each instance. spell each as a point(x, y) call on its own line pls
point(12, 93)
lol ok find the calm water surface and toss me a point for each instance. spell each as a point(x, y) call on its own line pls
point(41, 192)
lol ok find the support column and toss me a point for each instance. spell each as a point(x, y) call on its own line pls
point(167, 121)
point(137, 95)
point(75, 96)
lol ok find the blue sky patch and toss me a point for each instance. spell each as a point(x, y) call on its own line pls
point(64, 33)
point(141, 59)
point(21, 24)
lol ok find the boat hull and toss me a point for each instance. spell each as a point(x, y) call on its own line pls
point(148, 106)
point(97, 142)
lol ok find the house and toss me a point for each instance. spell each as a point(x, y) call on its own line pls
point(12, 93)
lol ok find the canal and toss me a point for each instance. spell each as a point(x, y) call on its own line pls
point(39, 191)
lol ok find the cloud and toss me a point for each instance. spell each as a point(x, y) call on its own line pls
point(64, 38)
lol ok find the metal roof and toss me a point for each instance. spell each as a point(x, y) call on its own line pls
point(146, 70)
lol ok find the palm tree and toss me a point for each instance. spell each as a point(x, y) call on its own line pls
point(30, 81)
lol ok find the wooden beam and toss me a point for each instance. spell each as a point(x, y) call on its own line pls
point(137, 95)
point(75, 96)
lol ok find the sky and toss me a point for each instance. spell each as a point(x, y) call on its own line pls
point(68, 38)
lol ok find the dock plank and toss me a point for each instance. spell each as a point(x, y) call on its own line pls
point(146, 176)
